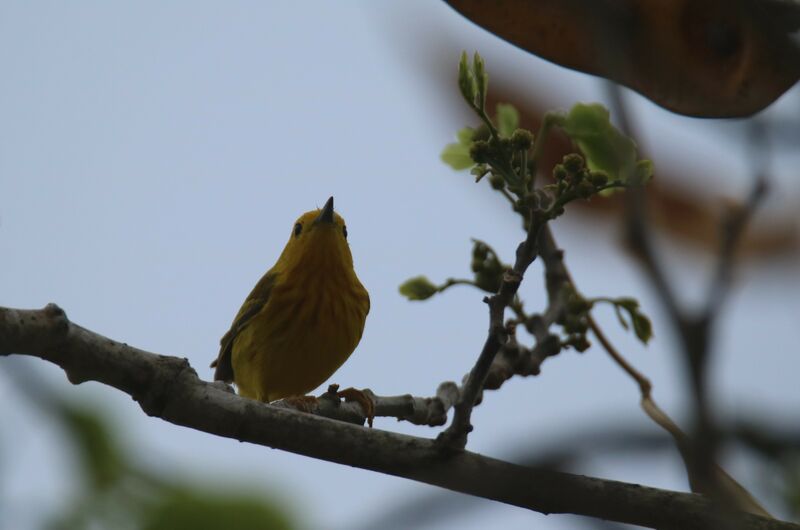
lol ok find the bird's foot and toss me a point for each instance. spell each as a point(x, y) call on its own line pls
point(362, 398)
point(302, 403)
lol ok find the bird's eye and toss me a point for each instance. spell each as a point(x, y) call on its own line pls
point(297, 229)
point(344, 231)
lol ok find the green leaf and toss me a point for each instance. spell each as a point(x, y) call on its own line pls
point(481, 79)
point(466, 80)
point(642, 327)
point(480, 171)
point(418, 288)
point(507, 119)
point(631, 304)
point(457, 156)
point(643, 172)
point(465, 136)
point(487, 267)
point(621, 317)
point(603, 145)
point(210, 510)
point(488, 281)
point(102, 459)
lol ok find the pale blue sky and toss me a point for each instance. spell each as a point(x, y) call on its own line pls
point(153, 158)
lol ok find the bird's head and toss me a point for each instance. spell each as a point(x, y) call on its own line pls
point(318, 240)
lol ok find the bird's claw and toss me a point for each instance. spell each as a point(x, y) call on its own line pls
point(362, 398)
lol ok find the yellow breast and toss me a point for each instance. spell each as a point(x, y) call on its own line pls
point(308, 328)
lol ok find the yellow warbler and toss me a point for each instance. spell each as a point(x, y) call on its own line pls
point(303, 318)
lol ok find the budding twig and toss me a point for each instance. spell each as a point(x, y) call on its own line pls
point(455, 436)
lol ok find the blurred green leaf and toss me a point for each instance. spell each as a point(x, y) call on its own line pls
point(196, 510)
point(418, 288)
point(110, 489)
point(642, 326)
point(466, 80)
point(465, 136)
point(102, 460)
point(643, 172)
point(507, 119)
point(457, 156)
point(481, 79)
point(487, 267)
point(622, 321)
point(120, 495)
point(605, 147)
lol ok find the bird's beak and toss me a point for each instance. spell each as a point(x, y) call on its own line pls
point(326, 215)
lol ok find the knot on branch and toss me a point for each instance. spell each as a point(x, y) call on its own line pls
point(32, 331)
point(502, 369)
point(511, 280)
point(162, 388)
point(57, 322)
point(57, 316)
point(430, 411)
point(499, 332)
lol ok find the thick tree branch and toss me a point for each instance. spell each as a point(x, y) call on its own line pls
point(570, 450)
point(167, 387)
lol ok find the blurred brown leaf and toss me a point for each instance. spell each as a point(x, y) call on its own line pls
point(705, 58)
point(691, 217)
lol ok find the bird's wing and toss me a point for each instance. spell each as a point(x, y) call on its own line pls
point(255, 301)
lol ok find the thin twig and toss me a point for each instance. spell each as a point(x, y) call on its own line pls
point(694, 330)
point(455, 436)
point(726, 486)
point(733, 226)
point(645, 386)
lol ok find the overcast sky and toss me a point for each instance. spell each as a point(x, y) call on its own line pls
point(154, 157)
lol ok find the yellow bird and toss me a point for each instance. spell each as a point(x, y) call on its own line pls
point(303, 318)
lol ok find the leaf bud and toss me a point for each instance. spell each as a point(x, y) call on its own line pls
point(582, 344)
point(480, 251)
point(466, 80)
point(573, 163)
point(598, 178)
point(521, 140)
point(418, 288)
point(480, 152)
point(497, 181)
point(586, 189)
